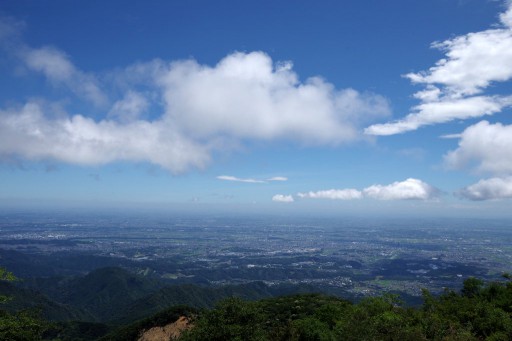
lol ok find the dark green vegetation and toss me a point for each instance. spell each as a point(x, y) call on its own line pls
point(103, 304)
point(117, 296)
point(21, 325)
point(87, 307)
point(479, 312)
point(90, 275)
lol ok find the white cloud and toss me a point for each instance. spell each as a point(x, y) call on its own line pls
point(53, 63)
point(80, 140)
point(234, 178)
point(486, 146)
point(246, 96)
point(250, 180)
point(488, 189)
point(57, 67)
point(130, 108)
point(410, 189)
point(506, 17)
point(442, 111)
point(334, 194)
point(453, 87)
point(473, 61)
point(196, 110)
point(278, 178)
point(282, 198)
point(451, 136)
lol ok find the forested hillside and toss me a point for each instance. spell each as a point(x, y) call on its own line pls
point(480, 311)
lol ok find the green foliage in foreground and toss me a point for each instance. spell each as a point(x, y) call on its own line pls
point(479, 312)
point(8, 277)
point(20, 326)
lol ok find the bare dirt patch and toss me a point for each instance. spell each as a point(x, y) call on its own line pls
point(172, 331)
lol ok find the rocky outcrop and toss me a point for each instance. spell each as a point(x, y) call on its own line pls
point(172, 331)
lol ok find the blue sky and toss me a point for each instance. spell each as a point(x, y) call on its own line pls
point(353, 107)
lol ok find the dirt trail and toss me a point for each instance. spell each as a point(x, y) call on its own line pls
point(172, 331)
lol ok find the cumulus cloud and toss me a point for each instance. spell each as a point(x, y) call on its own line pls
point(195, 109)
point(247, 96)
point(488, 189)
point(454, 85)
point(473, 61)
point(234, 178)
point(506, 17)
point(334, 194)
point(81, 140)
point(282, 198)
point(486, 146)
point(410, 189)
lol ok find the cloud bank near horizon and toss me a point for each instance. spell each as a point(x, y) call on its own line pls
point(283, 198)
point(488, 189)
point(409, 189)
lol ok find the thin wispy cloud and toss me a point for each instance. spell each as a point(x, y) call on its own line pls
point(234, 178)
point(333, 194)
point(278, 178)
point(59, 70)
point(451, 136)
point(250, 180)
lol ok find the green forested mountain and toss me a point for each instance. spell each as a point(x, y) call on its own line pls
point(115, 295)
point(103, 294)
point(252, 312)
point(206, 297)
point(479, 312)
point(23, 299)
point(107, 292)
